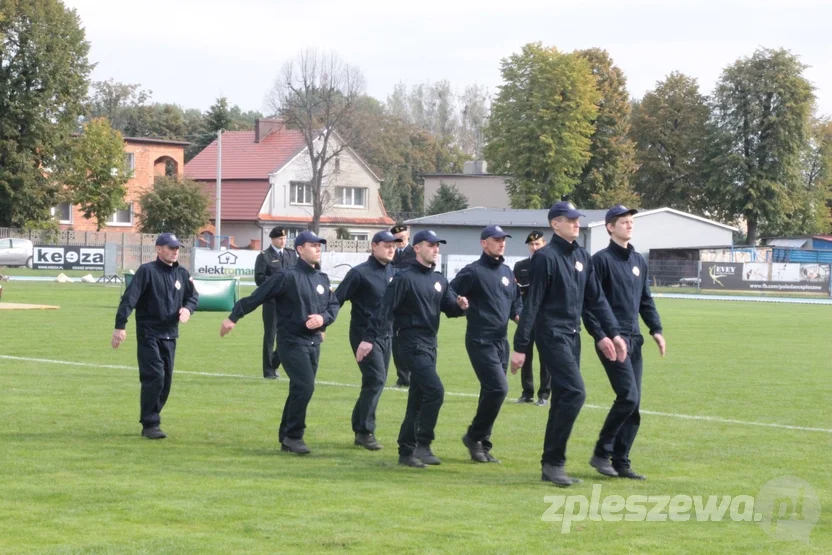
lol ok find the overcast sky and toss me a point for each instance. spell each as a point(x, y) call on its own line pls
point(189, 52)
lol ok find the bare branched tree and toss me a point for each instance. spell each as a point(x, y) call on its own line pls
point(316, 94)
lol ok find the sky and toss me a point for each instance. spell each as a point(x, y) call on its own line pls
point(190, 52)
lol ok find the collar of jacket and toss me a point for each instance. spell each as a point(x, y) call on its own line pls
point(491, 261)
point(166, 267)
point(378, 264)
point(621, 251)
point(563, 244)
point(307, 267)
point(421, 267)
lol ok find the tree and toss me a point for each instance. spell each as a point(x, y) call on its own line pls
point(92, 169)
point(670, 129)
point(43, 82)
point(541, 124)
point(218, 117)
point(179, 206)
point(447, 199)
point(316, 94)
point(474, 116)
point(605, 179)
point(116, 102)
point(762, 106)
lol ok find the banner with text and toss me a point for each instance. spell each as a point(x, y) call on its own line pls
point(763, 277)
point(48, 257)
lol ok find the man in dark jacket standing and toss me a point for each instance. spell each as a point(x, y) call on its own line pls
point(402, 259)
point(488, 289)
point(522, 273)
point(364, 285)
point(163, 295)
point(268, 263)
point(412, 304)
point(562, 286)
point(305, 307)
point(622, 274)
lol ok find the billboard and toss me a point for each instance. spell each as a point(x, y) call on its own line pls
point(67, 257)
point(763, 277)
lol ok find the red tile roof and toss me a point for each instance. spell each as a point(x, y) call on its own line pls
point(383, 221)
point(242, 158)
point(241, 199)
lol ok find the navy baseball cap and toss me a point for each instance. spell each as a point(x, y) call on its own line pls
point(563, 208)
point(307, 237)
point(618, 210)
point(493, 231)
point(429, 236)
point(385, 237)
point(168, 240)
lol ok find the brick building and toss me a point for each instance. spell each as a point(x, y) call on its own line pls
point(146, 159)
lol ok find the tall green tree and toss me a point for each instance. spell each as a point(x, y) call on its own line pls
point(605, 179)
point(175, 205)
point(93, 170)
point(541, 124)
point(762, 106)
point(44, 74)
point(447, 199)
point(670, 126)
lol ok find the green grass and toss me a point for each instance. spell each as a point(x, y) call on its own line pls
point(77, 477)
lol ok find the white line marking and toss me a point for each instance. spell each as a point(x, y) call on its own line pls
point(453, 394)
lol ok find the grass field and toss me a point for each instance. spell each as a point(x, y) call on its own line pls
point(77, 477)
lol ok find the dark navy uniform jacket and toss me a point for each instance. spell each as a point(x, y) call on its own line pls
point(268, 263)
point(412, 304)
point(365, 285)
point(522, 273)
point(493, 297)
point(157, 292)
point(622, 274)
point(404, 257)
point(562, 284)
point(298, 292)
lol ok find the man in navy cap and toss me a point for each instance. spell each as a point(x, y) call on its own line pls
point(305, 307)
point(522, 272)
point(562, 286)
point(487, 289)
point(412, 304)
point(622, 274)
point(163, 295)
point(268, 263)
point(404, 256)
point(364, 285)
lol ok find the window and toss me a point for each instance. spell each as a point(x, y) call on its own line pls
point(5, 243)
point(337, 164)
point(359, 236)
point(129, 162)
point(351, 196)
point(122, 217)
point(301, 193)
point(62, 213)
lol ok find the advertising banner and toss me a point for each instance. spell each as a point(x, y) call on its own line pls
point(763, 277)
point(67, 257)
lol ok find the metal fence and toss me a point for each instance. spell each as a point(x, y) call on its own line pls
point(86, 238)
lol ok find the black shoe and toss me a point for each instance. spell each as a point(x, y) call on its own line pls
point(475, 449)
point(603, 466)
point(525, 399)
point(542, 402)
point(270, 376)
point(557, 475)
point(491, 458)
point(411, 461)
point(296, 446)
point(400, 383)
point(153, 432)
point(629, 473)
point(367, 441)
point(424, 454)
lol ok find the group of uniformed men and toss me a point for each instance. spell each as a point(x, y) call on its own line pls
point(397, 297)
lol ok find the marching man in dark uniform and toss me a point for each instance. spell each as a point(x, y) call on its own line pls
point(163, 295)
point(305, 307)
point(268, 263)
point(412, 304)
point(488, 290)
point(404, 256)
point(562, 285)
point(364, 285)
point(622, 273)
point(535, 241)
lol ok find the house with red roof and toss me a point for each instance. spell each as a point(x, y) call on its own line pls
point(265, 175)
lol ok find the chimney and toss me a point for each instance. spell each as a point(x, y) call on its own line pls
point(468, 168)
point(264, 127)
point(476, 167)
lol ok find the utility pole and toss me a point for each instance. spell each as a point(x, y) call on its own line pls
point(218, 219)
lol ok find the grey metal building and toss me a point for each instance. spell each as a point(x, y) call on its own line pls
point(659, 228)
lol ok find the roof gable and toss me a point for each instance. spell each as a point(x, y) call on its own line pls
point(242, 158)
